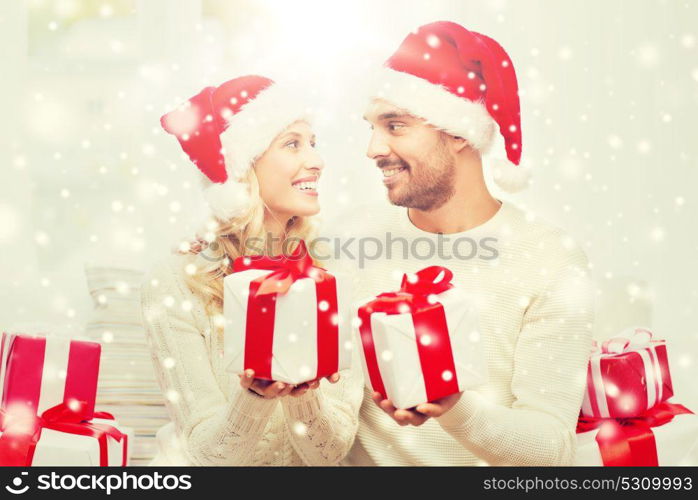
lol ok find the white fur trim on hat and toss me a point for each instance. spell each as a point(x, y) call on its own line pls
point(509, 177)
point(227, 199)
point(251, 130)
point(455, 115)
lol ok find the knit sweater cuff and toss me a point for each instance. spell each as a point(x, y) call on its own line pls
point(248, 412)
point(305, 407)
point(463, 413)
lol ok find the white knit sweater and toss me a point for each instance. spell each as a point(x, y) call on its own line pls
point(536, 314)
point(215, 421)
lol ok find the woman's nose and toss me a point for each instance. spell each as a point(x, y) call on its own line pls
point(314, 161)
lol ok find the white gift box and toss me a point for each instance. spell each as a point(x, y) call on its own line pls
point(295, 342)
point(56, 448)
point(398, 357)
point(676, 441)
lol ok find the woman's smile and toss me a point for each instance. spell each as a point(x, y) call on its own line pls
point(307, 185)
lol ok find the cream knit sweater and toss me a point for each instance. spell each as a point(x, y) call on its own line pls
point(536, 314)
point(215, 421)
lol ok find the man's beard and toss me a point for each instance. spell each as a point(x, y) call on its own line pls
point(430, 184)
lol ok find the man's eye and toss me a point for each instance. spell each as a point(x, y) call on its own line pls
point(312, 144)
point(395, 126)
point(291, 144)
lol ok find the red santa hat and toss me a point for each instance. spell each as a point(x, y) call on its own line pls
point(224, 129)
point(463, 83)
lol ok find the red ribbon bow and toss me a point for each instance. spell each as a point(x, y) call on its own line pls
point(414, 290)
point(430, 280)
point(429, 321)
point(286, 269)
point(20, 436)
point(630, 441)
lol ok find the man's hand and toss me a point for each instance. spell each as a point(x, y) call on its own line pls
point(421, 413)
point(270, 389)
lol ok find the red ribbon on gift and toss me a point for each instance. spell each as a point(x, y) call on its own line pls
point(21, 431)
point(431, 330)
point(261, 308)
point(630, 441)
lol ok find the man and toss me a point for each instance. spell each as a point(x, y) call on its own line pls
point(445, 94)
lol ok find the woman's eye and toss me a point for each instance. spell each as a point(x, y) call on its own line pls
point(395, 126)
point(312, 144)
point(291, 144)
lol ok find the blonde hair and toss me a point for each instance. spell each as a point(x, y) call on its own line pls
point(226, 240)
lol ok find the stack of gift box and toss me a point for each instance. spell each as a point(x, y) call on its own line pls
point(47, 408)
point(626, 417)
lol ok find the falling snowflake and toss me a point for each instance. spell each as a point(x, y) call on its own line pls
point(647, 56)
point(657, 234)
point(644, 147)
point(172, 396)
point(299, 428)
point(564, 53)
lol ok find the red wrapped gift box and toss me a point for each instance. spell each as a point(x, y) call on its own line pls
point(627, 375)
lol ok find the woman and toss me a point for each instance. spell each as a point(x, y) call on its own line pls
point(261, 171)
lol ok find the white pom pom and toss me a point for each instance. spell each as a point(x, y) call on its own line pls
point(228, 199)
point(509, 177)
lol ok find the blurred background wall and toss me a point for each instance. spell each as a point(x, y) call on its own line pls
point(609, 95)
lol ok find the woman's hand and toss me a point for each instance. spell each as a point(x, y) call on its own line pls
point(270, 389)
point(313, 384)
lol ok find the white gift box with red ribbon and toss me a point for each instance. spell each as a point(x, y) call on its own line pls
point(286, 319)
point(422, 342)
point(627, 375)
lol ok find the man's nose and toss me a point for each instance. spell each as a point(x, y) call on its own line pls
point(377, 147)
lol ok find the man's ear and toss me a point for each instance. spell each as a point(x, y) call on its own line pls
point(458, 144)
